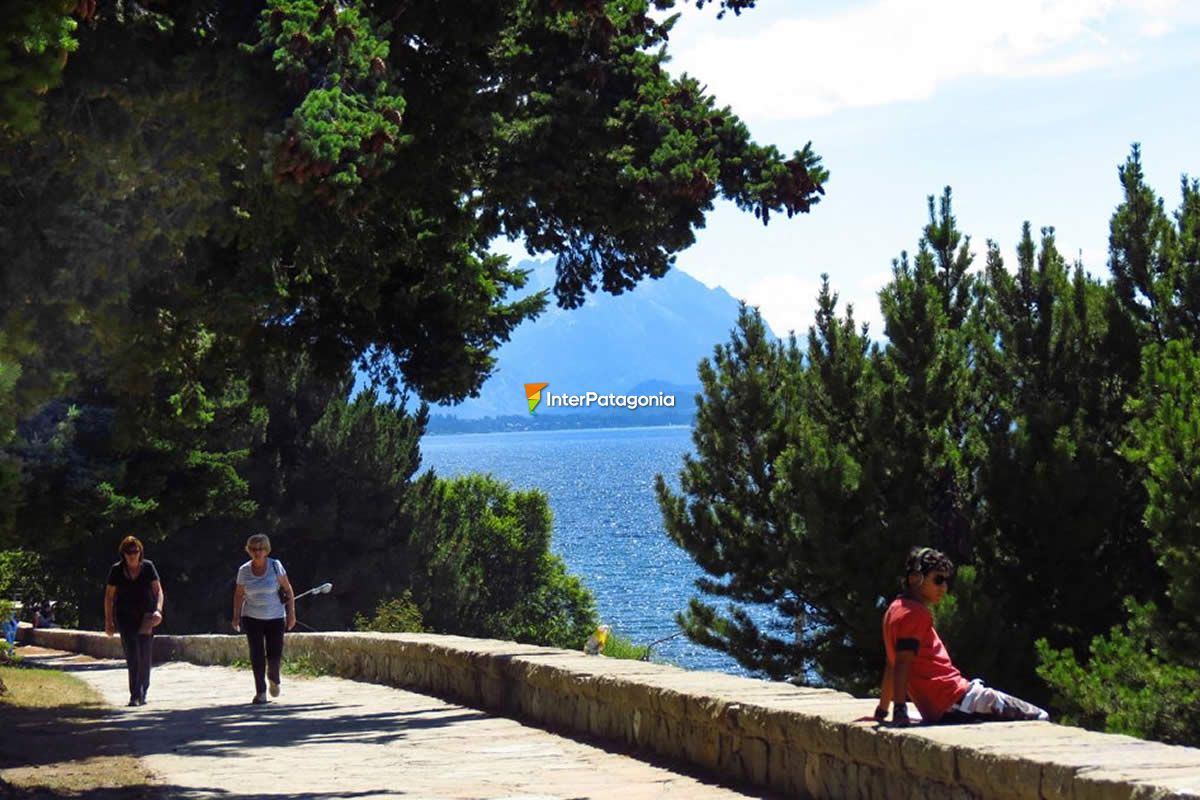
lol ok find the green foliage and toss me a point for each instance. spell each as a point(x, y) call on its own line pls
point(301, 666)
point(218, 186)
point(10, 467)
point(1165, 439)
point(990, 424)
point(35, 39)
point(588, 79)
point(932, 327)
point(397, 615)
point(815, 473)
point(1056, 497)
point(329, 480)
point(166, 217)
point(724, 516)
point(1155, 260)
point(487, 570)
point(333, 481)
point(1131, 684)
point(23, 578)
point(617, 646)
point(8, 652)
point(347, 124)
point(1141, 677)
point(92, 475)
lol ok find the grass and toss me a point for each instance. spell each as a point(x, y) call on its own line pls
point(54, 742)
point(619, 647)
point(298, 667)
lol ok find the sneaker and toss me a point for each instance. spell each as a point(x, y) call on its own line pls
point(273, 686)
point(141, 701)
point(260, 699)
point(133, 701)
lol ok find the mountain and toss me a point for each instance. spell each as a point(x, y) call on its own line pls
point(645, 341)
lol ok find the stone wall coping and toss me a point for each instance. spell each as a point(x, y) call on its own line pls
point(807, 742)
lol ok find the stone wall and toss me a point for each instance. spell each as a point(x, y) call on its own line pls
point(811, 743)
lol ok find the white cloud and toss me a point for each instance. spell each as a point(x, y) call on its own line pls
point(901, 50)
point(786, 302)
point(864, 294)
point(789, 301)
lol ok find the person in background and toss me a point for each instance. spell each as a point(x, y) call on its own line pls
point(133, 607)
point(918, 665)
point(264, 605)
point(10, 625)
point(43, 615)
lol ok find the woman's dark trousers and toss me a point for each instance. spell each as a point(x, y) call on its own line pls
point(266, 649)
point(138, 648)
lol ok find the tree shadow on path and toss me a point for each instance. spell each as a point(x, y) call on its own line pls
point(229, 729)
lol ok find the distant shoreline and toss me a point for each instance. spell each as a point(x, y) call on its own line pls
point(443, 425)
point(564, 430)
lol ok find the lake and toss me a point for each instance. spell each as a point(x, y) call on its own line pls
point(607, 526)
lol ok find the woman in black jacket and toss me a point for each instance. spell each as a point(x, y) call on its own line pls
point(133, 604)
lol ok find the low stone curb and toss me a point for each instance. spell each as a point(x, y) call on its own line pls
point(804, 742)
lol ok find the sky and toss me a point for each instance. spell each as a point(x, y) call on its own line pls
point(1025, 108)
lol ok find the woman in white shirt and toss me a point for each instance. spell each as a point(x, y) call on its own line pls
point(263, 606)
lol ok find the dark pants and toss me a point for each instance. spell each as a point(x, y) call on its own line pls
point(266, 648)
point(138, 648)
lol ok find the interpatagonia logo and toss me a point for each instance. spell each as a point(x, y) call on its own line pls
point(533, 394)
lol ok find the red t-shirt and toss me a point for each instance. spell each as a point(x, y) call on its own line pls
point(934, 684)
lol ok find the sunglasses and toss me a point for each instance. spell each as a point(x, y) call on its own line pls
point(133, 552)
point(256, 549)
point(940, 580)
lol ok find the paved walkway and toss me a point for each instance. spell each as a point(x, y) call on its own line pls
point(327, 738)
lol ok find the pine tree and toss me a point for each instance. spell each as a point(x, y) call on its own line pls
point(1150, 273)
point(1165, 440)
point(723, 515)
point(930, 395)
point(1058, 500)
point(782, 498)
point(1140, 676)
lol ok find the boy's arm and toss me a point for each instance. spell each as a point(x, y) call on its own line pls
point(886, 690)
point(904, 659)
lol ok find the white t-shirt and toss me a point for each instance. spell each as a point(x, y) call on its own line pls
point(262, 591)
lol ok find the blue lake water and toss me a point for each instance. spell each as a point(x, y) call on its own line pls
point(607, 525)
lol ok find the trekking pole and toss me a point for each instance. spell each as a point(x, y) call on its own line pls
point(324, 588)
point(646, 657)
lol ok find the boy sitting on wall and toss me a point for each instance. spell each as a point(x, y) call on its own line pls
point(918, 665)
